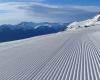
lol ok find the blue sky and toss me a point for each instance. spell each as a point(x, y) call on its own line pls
point(16, 11)
point(77, 2)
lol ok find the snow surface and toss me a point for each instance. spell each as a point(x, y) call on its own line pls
point(86, 23)
point(69, 55)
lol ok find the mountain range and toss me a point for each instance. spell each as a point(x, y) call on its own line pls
point(23, 30)
point(67, 55)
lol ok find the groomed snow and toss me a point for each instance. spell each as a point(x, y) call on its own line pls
point(69, 55)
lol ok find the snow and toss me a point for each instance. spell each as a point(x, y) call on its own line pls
point(47, 25)
point(68, 55)
point(86, 23)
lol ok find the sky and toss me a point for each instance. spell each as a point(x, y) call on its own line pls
point(63, 11)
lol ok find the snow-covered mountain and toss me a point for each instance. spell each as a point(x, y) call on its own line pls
point(23, 30)
point(67, 55)
point(86, 23)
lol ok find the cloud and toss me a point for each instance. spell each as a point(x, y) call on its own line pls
point(15, 12)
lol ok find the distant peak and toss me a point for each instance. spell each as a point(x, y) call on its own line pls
point(97, 17)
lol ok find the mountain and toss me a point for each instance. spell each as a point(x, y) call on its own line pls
point(28, 29)
point(86, 23)
point(67, 55)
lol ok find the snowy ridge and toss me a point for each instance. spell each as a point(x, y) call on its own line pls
point(87, 23)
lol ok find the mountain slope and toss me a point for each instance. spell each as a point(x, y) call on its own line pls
point(86, 23)
point(69, 55)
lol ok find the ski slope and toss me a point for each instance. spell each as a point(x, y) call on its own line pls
point(69, 55)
